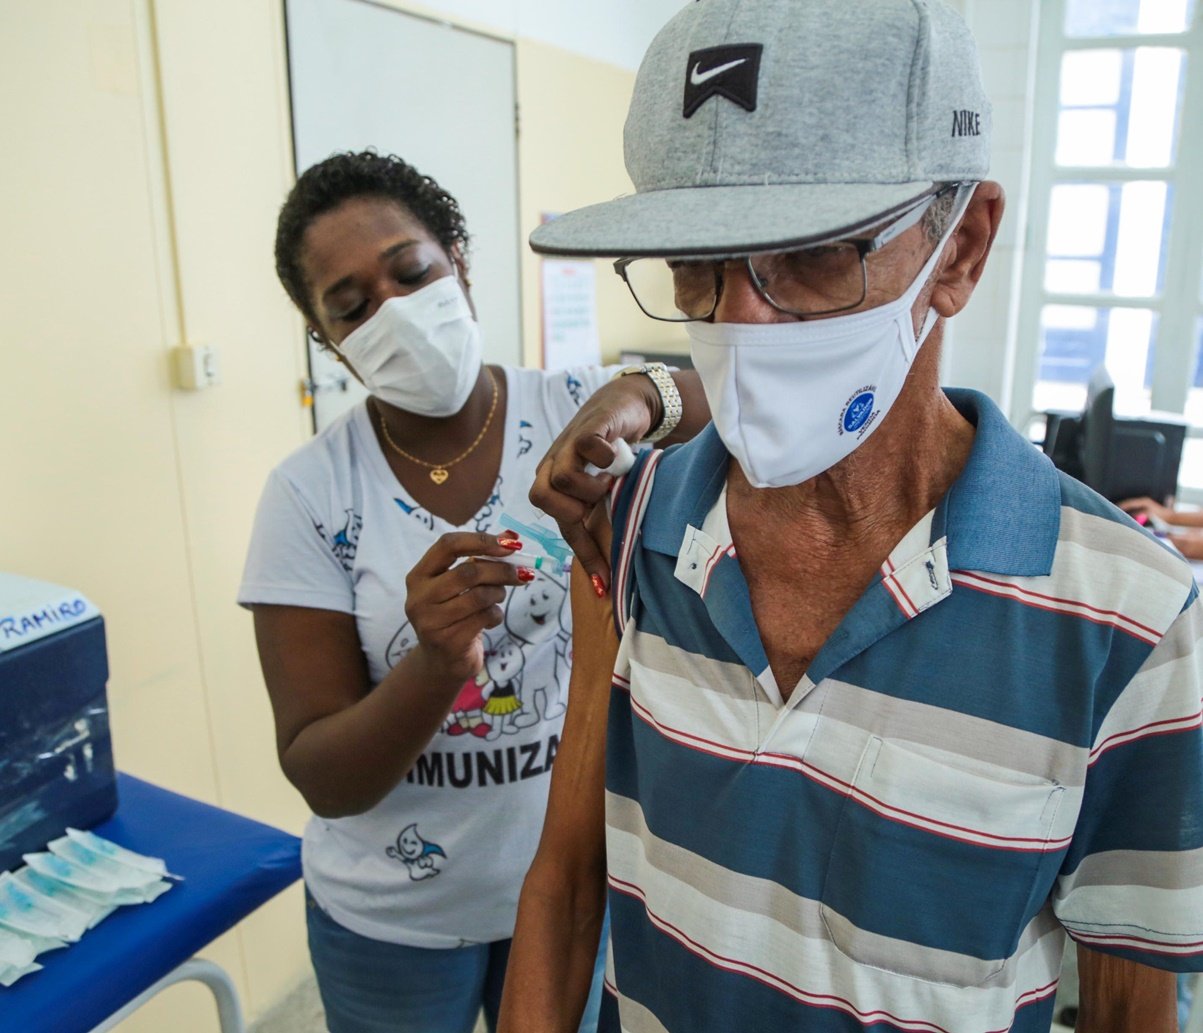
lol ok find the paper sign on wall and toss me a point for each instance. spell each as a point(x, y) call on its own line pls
point(570, 336)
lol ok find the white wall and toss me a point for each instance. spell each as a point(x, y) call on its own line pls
point(982, 345)
point(616, 32)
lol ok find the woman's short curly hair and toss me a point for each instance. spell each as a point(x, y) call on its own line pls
point(341, 177)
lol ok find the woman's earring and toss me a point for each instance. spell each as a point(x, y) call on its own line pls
point(314, 336)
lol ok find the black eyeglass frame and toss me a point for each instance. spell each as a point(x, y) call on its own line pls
point(864, 247)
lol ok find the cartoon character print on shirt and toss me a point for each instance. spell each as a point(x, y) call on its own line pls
point(525, 444)
point(504, 662)
point(422, 516)
point(345, 542)
point(484, 516)
point(563, 647)
point(535, 612)
point(417, 854)
point(467, 715)
point(510, 694)
point(576, 390)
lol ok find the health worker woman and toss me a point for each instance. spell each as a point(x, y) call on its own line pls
point(418, 686)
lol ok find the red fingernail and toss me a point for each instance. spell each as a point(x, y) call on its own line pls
point(509, 543)
point(507, 533)
point(526, 574)
point(599, 586)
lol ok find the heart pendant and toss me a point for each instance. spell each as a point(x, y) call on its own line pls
point(439, 475)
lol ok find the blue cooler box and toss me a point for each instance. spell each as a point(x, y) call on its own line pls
point(56, 755)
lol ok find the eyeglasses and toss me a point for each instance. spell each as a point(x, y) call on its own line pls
point(812, 281)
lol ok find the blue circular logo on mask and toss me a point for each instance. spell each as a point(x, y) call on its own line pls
point(859, 410)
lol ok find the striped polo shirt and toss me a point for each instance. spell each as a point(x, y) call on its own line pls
point(998, 745)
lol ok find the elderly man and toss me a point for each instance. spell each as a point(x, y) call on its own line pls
point(895, 707)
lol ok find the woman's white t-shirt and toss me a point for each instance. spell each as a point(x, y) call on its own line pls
point(440, 861)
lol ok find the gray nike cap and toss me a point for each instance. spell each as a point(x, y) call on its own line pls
point(765, 124)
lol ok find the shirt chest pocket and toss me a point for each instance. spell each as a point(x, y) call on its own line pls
point(936, 866)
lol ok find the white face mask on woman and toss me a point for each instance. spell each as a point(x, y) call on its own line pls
point(420, 352)
point(790, 400)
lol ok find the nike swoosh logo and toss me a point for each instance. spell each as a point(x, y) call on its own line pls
point(697, 77)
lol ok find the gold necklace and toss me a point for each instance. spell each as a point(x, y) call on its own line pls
point(439, 472)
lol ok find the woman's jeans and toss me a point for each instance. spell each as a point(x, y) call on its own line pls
point(370, 986)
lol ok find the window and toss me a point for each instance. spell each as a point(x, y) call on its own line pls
point(1114, 269)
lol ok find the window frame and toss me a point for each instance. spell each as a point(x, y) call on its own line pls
point(1179, 306)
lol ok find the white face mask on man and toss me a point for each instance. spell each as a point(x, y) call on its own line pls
point(790, 400)
point(420, 352)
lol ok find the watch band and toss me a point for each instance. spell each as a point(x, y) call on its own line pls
point(671, 409)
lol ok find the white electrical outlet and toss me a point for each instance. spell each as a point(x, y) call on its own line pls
point(195, 366)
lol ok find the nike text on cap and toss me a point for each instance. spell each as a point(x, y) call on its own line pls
point(763, 124)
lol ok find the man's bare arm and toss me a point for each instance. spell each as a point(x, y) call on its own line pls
point(562, 906)
point(1120, 996)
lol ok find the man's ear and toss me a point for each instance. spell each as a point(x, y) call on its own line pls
point(968, 250)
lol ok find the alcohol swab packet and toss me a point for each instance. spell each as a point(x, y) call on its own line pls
point(72, 874)
point(37, 913)
point(22, 926)
point(15, 950)
point(114, 852)
point(40, 942)
point(16, 957)
point(52, 886)
point(9, 974)
point(88, 878)
point(94, 906)
point(56, 916)
point(148, 893)
point(126, 876)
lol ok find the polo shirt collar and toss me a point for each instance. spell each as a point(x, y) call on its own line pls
point(696, 473)
point(1002, 515)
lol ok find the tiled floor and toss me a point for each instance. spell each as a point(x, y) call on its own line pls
point(301, 1012)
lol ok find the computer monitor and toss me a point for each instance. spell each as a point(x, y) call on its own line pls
point(1119, 457)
